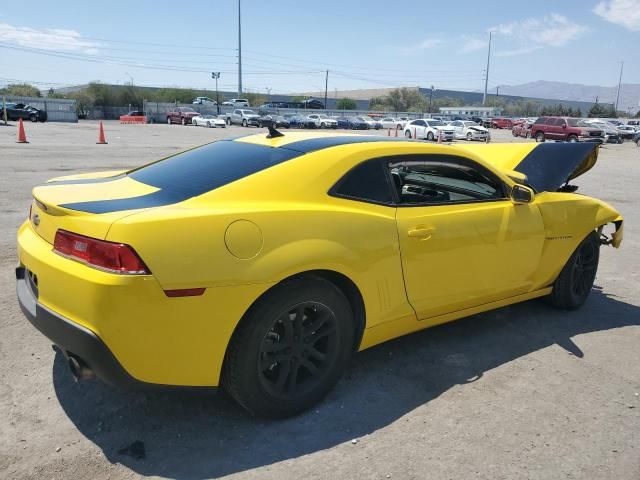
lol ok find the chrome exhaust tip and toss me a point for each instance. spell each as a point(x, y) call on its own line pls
point(79, 369)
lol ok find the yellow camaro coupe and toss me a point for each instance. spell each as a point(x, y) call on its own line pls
point(262, 263)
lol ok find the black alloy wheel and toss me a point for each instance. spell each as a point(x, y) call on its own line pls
point(290, 349)
point(296, 351)
point(574, 284)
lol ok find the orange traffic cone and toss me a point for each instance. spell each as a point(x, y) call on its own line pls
point(101, 139)
point(388, 132)
point(439, 136)
point(396, 132)
point(22, 137)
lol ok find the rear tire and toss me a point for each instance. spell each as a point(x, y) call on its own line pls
point(407, 134)
point(430, 136)
point(290, 349)
point(574, 284)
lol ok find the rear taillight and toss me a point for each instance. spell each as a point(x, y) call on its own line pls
point(108, 256)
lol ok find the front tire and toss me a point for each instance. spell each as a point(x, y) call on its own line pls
point(540, 137)
point(244, 123)
point(430, 136)
point(290, 349)
point(573, 285)
point(572, 139)
point(168, 120)
point(184, 122)
point(469, 136)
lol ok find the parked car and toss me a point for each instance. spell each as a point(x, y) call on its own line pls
point(208, 121)
point(277, 121)
point(352, 123)
point(301, 121)
point(636, 139)
point(216, 279)
point(627, 132)
point(321, 120)
point(374, 124)
point(567, 129)
point(468, 130)
point(16, 111)
point(389, 122)
point(237, 102)
point(401, 122)
point(268, 109)
point(182, 115)
point(243, 117)
point(501, 122)
point(610, 131)
point(522, 130)
point(204, 101)
point(429, 129)
point(312, 104)
point(635, 123)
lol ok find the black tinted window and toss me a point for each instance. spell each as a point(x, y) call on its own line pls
point(205, 168)
point(367, 182)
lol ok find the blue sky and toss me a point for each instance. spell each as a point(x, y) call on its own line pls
point(287, 44)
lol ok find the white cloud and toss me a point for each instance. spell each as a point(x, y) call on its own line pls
point(531, 34)
point(473, 44)
point(426, 44)
point(620, 12)
point(48, 39)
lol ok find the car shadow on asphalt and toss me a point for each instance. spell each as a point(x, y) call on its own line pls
point(196, 436)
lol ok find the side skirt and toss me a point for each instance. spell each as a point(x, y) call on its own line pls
point(397, 328)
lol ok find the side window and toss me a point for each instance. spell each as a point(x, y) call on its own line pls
point(420, 123)
point(442, 179)
point(367, 182)
point(236, 112)
point(559, 122)
point(539, 121)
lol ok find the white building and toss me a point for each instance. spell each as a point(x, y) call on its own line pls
point(471, 111)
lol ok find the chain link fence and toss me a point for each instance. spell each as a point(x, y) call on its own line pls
point(58, 109)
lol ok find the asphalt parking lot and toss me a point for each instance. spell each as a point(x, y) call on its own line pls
point(524, 392)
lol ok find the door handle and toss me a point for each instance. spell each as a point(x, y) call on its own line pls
point(424, 233)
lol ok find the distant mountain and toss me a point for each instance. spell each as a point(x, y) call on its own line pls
point(629, 93)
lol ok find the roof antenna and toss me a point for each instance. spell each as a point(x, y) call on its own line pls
point(273, 133)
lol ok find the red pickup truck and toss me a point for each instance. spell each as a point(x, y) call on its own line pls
point(566, 129)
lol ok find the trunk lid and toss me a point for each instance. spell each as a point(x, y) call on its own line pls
point(548, 166)
point(50, 207)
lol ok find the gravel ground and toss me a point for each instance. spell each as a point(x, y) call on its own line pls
point(521, 392)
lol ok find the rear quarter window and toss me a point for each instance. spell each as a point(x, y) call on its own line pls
point(206, 168)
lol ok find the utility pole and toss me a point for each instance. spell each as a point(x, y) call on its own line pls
point(326, 85)
point(431, 98)
point(216, 76)
point(239, 53)
point(486, 78)
point(497, 91)
point(619, 85)
point(268, 89)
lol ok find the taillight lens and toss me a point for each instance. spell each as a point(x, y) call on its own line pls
point(108, 256)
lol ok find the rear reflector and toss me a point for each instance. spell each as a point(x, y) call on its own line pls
point(185, 292)
point(108, 256)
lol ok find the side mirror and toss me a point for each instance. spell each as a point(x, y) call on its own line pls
point(521, 194)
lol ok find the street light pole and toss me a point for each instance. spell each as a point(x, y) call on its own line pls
point(239, 53)
point(326, 84)
point(619, 85)
point(216, 76)
point(486, 78)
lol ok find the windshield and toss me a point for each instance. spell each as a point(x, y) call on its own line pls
point(248, 112)
point(470, 124)
point(323, 116)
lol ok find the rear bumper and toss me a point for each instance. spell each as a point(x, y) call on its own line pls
point(72, 338)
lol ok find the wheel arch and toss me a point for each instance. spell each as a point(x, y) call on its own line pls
point(345, 284)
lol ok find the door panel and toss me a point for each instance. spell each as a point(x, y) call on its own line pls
point(460, 256)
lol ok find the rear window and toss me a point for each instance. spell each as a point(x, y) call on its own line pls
point(206, 168)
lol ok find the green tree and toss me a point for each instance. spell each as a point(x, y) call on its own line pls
point(20, 90)
point(346, 104)
point(255, 99)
